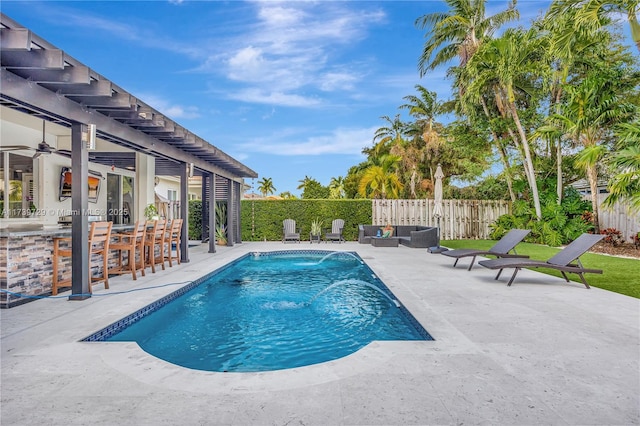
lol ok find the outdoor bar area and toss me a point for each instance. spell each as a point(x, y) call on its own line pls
point(77, 150)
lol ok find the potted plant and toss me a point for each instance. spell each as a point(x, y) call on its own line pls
point(151, 212)
point(221, 235)
point(316, 230)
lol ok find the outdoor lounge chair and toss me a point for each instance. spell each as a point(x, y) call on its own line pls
point(507, 243)
point(336, 231)
point(289, 231)
point(561, 261)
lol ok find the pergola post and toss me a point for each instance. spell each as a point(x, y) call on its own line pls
point(212, 213)
point(236, 199)
point(80, 274)
point(204, 216)
point(184, 213)
point(230, 214)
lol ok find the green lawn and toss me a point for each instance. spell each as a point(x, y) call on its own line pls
point(619, 274)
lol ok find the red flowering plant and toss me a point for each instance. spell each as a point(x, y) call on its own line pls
point(612, 236)
point(635, 238)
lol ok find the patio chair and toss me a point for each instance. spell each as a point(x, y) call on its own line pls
point(130, 242)
point(173, 236)
point(154, 243)
point(562, 261)
point(99, 237)
point(507, 243)
point(289, 231)
point(336, 231)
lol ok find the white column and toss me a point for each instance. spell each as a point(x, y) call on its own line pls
point(145, 183)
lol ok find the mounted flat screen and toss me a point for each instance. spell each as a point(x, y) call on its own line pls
point(65, 185)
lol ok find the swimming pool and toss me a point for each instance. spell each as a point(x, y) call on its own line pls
point(270, 311)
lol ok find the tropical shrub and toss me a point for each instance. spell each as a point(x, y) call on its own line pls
point(612, 236)
point(560, 224)
point(195, 218)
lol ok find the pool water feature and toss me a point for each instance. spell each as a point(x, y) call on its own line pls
point(355, 282)
point(271, 311)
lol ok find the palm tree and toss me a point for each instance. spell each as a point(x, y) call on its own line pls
point(593, 14)
point(504, 64)
point(570, 51)
point(304, 183)
point(336, 187)
point(458, 32)
point(592, 110)
point(425, 108)
point(286, 195)
point(380, 179)
point(625, 185)
point(265, 186)
point(387, 136)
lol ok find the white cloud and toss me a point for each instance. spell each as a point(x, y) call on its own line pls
point(332, 81)
point(340, 142)
point(257, 95)
point(289, 49)
point(281, 52)
point(173, 111)
point(246, 63)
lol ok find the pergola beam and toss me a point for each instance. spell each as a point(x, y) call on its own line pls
point(44, 100)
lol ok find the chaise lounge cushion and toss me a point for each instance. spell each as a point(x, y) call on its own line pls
point(410, 236)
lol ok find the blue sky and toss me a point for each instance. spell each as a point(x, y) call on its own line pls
point(291, 89)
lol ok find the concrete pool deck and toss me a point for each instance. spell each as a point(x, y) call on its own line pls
point(539, 352)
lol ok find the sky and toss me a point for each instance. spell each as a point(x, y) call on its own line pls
point(290, 89)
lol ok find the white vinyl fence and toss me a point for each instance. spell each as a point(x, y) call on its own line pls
point(462, 219)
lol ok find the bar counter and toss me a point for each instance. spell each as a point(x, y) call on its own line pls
point(26, 254)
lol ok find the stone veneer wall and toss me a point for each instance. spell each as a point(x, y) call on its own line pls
point(25, 267)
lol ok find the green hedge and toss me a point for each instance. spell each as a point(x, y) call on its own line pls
point(262, 219)
point(195, 219)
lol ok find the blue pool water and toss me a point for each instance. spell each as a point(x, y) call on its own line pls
point(273, 311)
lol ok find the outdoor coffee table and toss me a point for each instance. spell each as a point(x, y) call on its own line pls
point(384, 241)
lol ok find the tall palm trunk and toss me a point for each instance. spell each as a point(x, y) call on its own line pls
point(560, 182)
point(592, 176)
point(503, 153)
point(635, 28)
point(528, 160)
point(559, 178)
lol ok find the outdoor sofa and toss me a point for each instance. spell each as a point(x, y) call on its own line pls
point(410, 236)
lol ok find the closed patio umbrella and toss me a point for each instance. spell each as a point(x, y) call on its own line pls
point(437, 205)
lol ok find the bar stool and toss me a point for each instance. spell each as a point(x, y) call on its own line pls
point(130, 242)
point(155, 238)
point(173, 237)
point(99, 236)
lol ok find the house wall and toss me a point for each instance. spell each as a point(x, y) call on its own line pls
point(47, 170)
